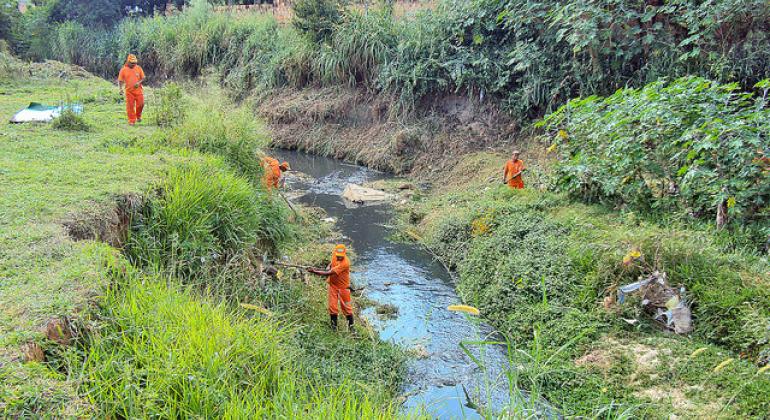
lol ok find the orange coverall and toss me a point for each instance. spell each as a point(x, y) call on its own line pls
point(512, 168)
point(339, 283)
point(134, 95)
point(272, 172)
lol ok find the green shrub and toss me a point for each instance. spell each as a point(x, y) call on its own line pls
point(69, 120)
point(201, 217)
point(171, 107)
point(687, 146)
point(317, 19)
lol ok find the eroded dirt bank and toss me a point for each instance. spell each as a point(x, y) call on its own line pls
point(351, 125)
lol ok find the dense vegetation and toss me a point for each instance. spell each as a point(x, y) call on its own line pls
point(684, 147)
point(539, 269)
point(529, 56)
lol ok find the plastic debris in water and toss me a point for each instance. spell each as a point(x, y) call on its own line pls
point(464, 308)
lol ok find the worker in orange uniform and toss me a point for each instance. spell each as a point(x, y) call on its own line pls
point(132, 77)
point(273, 171)
point(512, 173)
point(338, 272)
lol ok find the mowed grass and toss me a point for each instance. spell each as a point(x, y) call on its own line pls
point(46, 177)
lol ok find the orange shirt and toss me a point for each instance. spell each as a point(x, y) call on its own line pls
point(131, 76)
point(272, 172)
point(511, 168)
point(340, 276)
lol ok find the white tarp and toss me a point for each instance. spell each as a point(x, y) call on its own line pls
point(36, 112)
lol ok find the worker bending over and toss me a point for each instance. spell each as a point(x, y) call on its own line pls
point(512, 173)
point(338, 272)
point(273, 171)
point(132, 77)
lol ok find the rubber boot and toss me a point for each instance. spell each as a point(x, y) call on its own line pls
point(350, 326)
point(333, 321)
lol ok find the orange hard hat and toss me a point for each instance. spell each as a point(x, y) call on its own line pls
point(131, 59)
point(285, 166)
point(340, 250)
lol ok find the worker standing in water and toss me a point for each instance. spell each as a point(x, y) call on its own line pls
point(512, 173)
point(131, 77)
point(338, 278)
point(273, 172)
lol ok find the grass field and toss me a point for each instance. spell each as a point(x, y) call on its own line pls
point(46, 177)
point(131, 322)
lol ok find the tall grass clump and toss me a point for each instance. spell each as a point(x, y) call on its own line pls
point(165, 352)
point(171, 107)
point(358, 49)
point(202, 216)
point(69, 120)
point(214, 127)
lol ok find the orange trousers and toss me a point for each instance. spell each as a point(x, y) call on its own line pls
point(134, 106)
point(341, 295)
point(516, 183)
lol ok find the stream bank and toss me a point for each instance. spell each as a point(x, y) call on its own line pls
point(417, 288)
point(357, 127)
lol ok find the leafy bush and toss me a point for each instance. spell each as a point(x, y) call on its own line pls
point(171, 108)
point(69, 120)
point(201, 217)
point(92, 13)
point(6, 26)
point(686, 146)
point(317, 19)
point(535, 55)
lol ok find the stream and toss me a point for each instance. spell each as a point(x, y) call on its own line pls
point(407, 277)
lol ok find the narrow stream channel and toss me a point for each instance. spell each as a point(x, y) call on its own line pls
point(406, 276)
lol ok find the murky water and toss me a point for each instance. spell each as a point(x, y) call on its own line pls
point(406, 276)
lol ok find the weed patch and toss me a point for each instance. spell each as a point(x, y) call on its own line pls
point(539, 267)
point(171, 107)
point(70, 121)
